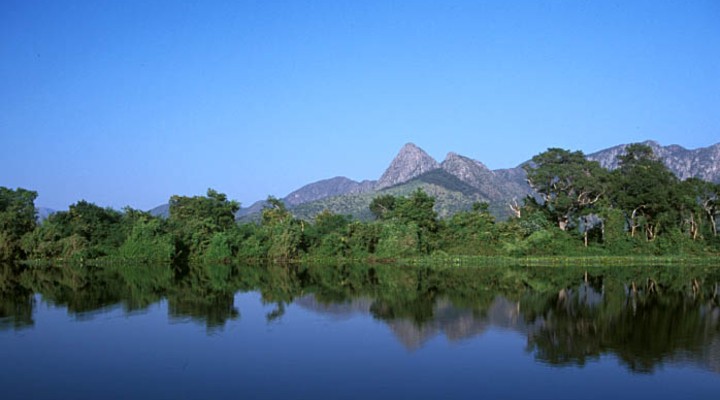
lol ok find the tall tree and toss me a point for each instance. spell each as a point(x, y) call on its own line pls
point(568, 183)
point(275, 212)
point(701, 201)
point(285, 233)
point(214, 208)
point(645, 189)
point(416, 209)
point(194, 220)
point(383, 206)
point(17, 217)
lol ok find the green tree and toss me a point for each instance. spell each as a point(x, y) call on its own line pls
point(17, 218)
point(569, 184)
point(195, 220)
point(214, 208)
point(470, 232)
point(702, 200)
point(418, 209)
point(383, 206)
point(147, 241)
point(285, 234)
point(645, 190)
point(275, 212)
point(85, 230)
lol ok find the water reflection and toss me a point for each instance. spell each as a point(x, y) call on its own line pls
point(645, 317)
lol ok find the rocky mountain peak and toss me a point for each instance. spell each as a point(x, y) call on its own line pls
point(409, 163)
point(472, 172)
point(455, 160)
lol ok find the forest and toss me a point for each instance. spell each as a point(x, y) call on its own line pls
point(579, 210)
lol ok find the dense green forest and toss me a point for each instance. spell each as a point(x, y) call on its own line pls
point(580, 209)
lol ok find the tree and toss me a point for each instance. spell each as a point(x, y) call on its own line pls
point(17, 218)
point(383, 206)
point(568, 183)
point(275, 212)
point(195, 220)
point(417, 208)
point(285, 234)
point(214, 208)
point(700, 200)
point(471, 232)
point(645, 190)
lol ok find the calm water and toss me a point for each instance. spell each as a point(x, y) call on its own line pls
point(359, 332)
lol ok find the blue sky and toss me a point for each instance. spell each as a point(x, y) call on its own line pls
point(129, 102)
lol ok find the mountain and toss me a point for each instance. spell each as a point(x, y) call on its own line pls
point(327, 188)
point(470, 171)
point(496, 186)
point(410, 162)
point(458, 182)
point(703, 163)
point(450, 193)
point(254, 209)
point(162, 211)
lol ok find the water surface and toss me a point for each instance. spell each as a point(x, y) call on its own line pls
point(358, 332)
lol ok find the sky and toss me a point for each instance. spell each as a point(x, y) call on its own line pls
point(125, 103)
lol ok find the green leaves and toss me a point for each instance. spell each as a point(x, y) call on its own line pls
point(195, 220)
point(568, 183)
point(17, 218)
point(645, 190)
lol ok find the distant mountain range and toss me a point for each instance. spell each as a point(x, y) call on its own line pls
point(458, 181)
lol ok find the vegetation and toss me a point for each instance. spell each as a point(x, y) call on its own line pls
point(581, 210)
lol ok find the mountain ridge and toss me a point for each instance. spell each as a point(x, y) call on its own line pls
point(464, 180)
point(703, 162)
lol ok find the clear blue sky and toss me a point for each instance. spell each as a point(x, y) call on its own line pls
point(128, 102)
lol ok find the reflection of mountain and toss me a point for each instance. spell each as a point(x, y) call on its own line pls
point(569, 328)
point(344, 310)
point(453, 322)
point(458, 324)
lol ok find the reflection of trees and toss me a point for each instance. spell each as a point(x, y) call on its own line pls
point(80, 289)
point(643, 316)
point(214, 310)
point(84, 290)
point(673, 313)
point(643, 331)
point(16, 301)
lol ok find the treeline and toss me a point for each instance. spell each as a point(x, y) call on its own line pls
point(640, 208)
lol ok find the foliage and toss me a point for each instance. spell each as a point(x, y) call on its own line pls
point(568, 183)
point(645, 190)
point(85, 231)
point(17, 218)
point(147, 243)
point(195, 220)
